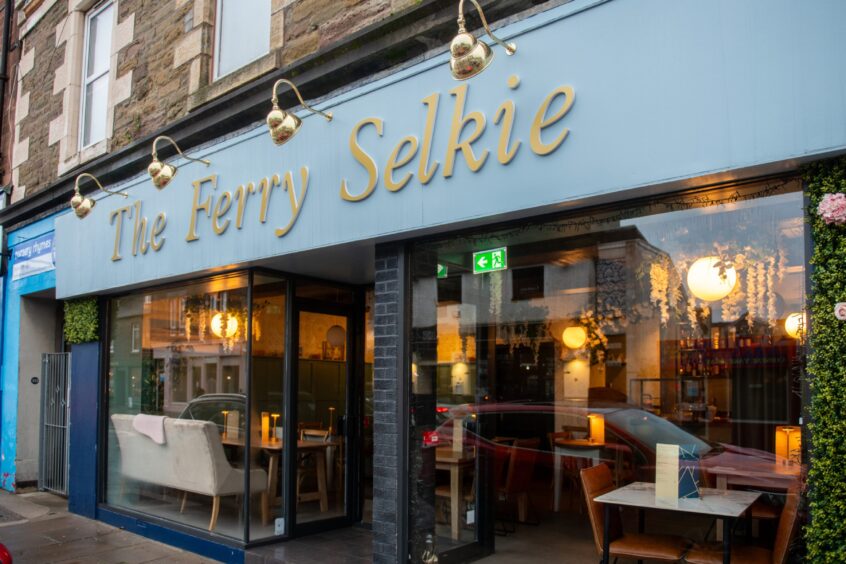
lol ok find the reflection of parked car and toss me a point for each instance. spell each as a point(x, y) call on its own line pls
point(631, 438)
point(210, 407)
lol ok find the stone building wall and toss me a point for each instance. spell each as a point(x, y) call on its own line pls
point(161, 70)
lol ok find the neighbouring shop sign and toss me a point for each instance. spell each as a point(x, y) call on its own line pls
point(490, 261)
point(33, 257)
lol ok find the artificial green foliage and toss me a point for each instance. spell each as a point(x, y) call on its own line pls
point(826, 532)
point(81, 321)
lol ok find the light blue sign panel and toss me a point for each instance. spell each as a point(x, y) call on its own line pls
point(33, 257)
point(665, 91)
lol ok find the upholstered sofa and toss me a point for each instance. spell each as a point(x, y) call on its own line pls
point(191, 460)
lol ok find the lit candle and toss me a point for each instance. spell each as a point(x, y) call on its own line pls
point(788, 445)
point(265, 426)
point(597, 428)
point(331, 420)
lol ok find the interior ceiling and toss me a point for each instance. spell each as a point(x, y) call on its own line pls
point(349, 264)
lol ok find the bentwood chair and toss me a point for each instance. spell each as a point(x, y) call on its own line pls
point(597, 481)
point(787, 525)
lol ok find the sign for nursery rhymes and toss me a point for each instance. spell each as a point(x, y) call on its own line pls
point(33, 257)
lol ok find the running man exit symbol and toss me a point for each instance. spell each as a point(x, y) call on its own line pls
point(490, 261)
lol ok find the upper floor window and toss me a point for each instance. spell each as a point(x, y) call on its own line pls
point(243, 34)
point(95, 73)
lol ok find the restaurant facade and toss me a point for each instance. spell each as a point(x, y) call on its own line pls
point(432, 308)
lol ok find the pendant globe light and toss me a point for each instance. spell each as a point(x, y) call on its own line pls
point(711, 279)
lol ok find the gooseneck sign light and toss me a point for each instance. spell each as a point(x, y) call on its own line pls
point(284, 125)
point(161, 173)
point(469, 56)
point(82, 205)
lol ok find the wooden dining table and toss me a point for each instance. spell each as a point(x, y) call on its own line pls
point(456, 462)
point(273, 447)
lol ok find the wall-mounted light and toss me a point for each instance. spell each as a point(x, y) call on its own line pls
point(794, 325)
point(284, 125)
point(469, 56)
point(710, 279)
point(574, 337)
point(162, 173)
point(82, 205)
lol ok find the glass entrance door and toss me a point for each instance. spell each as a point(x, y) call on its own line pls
point(323, 413)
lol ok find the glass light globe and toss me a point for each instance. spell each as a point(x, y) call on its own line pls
point(706, 283)
point(219, 330)
point(574, 337)
point(794, 325)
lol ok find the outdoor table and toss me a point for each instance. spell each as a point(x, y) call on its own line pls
point(728, 504)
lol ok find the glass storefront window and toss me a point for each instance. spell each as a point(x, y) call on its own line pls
point(177, 403)
point(591, 340)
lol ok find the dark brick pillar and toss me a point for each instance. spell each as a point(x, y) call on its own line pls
point(390, 412)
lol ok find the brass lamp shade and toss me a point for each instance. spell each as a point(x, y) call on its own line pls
point(284, 125)
point(82, 205)
point(160, 173)
point(468, 55)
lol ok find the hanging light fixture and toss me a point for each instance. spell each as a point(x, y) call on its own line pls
point(574, 337)
point(82, 205)
point(711, 279)
point(469, 56)
point(162, 173)
point(224, 325)
point(284, 125)
point(794, 325)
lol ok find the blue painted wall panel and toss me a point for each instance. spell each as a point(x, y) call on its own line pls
point(84, 429)
point(11, 347)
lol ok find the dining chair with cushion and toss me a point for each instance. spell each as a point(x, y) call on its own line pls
point(597, 481)
point(787, 526)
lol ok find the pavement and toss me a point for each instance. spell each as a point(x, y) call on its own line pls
point(36, 527)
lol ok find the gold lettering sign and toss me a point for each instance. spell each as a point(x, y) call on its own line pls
point(224, 208)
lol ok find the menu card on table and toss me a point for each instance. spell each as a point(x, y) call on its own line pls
point(667, 475)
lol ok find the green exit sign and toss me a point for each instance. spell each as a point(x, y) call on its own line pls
point(443, 271)
point(490, 261)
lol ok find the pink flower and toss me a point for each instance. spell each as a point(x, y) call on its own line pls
point(840, 311)
point(833, 209)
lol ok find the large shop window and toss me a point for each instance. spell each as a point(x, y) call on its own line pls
point(178, 405)
point(243, 34)
point(590, 341)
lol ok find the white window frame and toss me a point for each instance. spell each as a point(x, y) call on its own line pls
point(85, 81)
point(217, 30)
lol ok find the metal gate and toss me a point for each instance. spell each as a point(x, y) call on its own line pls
point(55, 419)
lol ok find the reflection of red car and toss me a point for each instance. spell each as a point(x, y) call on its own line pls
point(631, 437)
point(5, 555)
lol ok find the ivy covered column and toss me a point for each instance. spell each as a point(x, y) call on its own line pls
point(826, 531)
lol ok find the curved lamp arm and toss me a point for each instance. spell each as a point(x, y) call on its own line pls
point(94, 178)
point(275, 99)
point(178, 150)
point(510, 48)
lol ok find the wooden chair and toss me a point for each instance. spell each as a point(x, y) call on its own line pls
point(787, 525)
point(307, 462)
point(597, 481)
point(518, 478)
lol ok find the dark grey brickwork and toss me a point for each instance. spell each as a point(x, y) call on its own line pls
point(388, 411)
